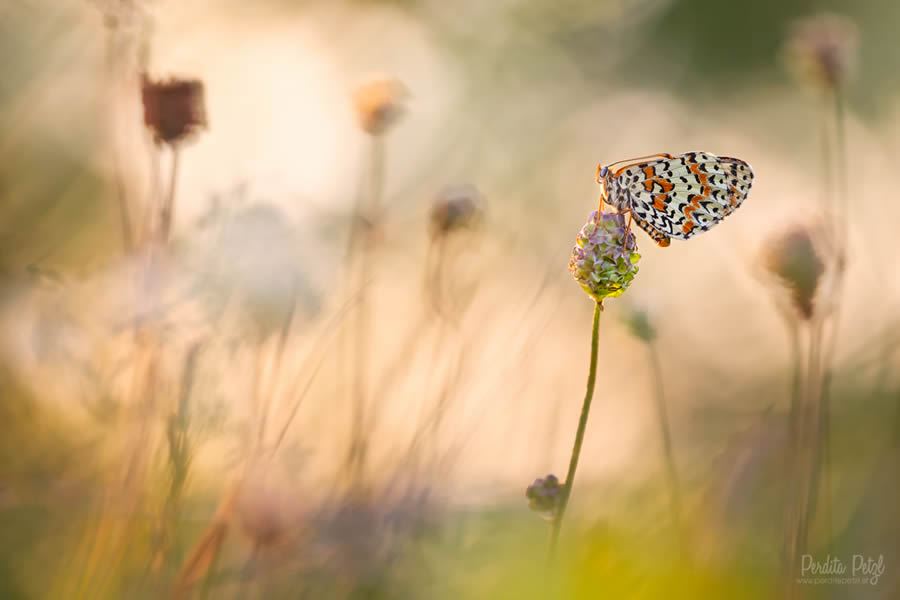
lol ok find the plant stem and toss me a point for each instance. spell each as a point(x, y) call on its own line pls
point(118, 178)
point(793, 469)
point(371, 214)
point(579, 435)
point(821, 443)
point(828, 355)
point(168, 207)
point(672, 472)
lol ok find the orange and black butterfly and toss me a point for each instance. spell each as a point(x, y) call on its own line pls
point(676, 196)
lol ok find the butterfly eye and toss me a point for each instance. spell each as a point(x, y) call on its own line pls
point(604, 171)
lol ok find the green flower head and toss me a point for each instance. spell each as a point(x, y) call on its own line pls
point(604, 259)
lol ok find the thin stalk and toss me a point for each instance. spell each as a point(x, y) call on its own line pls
point(828, 353)
point(793, 473)
point(828, 195)
point(269, 397)
point(841, 166)
point(820, 467)
point(358, 437)
point(811, 433)
point(168, 208)
point(118, 178)
point(668, 457)
point(206, 586)
point(418, 332)
point(144, 228)
point(321, 345)
point(579, 434)
point(180, 458)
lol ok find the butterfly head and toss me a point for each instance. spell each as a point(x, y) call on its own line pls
point(602, 178)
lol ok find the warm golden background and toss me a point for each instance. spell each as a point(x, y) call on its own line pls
point(246, 409)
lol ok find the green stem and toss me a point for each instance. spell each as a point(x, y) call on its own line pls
point(579, 435)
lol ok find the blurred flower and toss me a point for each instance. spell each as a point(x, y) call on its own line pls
point(258, 260)
point(456, 207)
point(120, 13)
point(173, 109)
point(639, 323)
point(604, 259)
point(379, 104)
point(266, 506)
point(544, 494)
point(795, 260)
point(822, 49)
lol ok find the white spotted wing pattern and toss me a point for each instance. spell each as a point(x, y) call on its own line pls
point(676, 196)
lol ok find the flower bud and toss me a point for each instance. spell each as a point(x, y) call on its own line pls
point(456, 207)
point(544, 495)
point(379, 104)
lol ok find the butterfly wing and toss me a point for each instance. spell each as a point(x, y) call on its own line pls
point(681, 196)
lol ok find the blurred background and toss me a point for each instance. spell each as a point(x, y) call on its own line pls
point(286, 310)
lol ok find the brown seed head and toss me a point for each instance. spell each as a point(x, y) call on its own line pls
point(173, 110)
point(379, 104)
point(795, 260)
point(456, 207)
point(822, 49)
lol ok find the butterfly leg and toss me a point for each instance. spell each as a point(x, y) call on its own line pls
point(627, 233)
point(602, 190)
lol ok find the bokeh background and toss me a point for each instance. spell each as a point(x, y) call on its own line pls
point(318, 384)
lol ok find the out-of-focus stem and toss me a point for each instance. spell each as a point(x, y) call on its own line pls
point(118, 179)
point(793, 468)
point(579, 434)
point(168, 207)
point(668, 457)
point(369, 213)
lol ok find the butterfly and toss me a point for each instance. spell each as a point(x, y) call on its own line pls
point(675, 196)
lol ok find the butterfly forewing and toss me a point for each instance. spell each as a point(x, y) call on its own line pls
point(682, 195)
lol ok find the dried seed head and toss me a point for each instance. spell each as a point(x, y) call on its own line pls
point(795, 260)
point(456, 207)
point(379, 104)
point(822, 49)
point(604, 259)
point(122, 14)
point(544, 495)
point(174, 109)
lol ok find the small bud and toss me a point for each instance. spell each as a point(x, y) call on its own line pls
point(456, 207)
point(822, 49)
point(544, 495)
point(604, 259)
point(638, 321)
point(174, 110)
point(794, 259)
point(379, 104)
